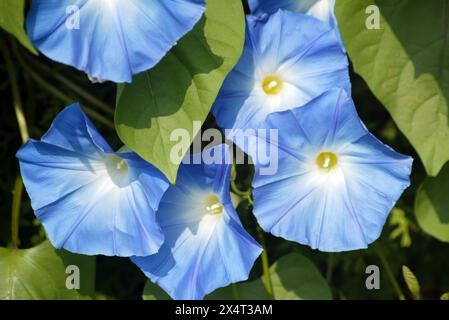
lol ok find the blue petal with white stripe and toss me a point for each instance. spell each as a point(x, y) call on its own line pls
point(110, 39)
point(320, 9)
point(288, 60)
point(206, 246)
point(90, 199)
point(335, 184)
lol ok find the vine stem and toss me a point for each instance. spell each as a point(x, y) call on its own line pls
point(244, 194)
point(330, 267)
point(391, 277)
point(23, 128)
point(235, 291)
point(265, 265)
point(15, 212)
point(61, 95)
point(21, 121)
point(264, 256)
point(73, 86)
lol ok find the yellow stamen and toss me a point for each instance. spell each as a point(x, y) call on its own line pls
point(327, 160)
point(272, 85)
point(213, 205)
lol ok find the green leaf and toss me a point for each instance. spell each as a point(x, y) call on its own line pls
point(249, 290)
point(412, 282)
point(154, 292)
point(36, 273)
point(254, 290)
point(182, 87)
point(402, 225)
point(432, 205)
point(405, 64)
point(293, 277)
point(12, 20)
point(87, 267)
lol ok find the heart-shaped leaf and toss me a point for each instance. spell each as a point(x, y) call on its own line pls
point(182, 87)
point(405, 64)
point(432, 205)
point(12, 20)
point(293, 277)
point(40, 273)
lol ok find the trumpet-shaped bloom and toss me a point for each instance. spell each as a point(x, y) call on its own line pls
point(90, 199)
point(288, 60)
point(320, 9)
point(206, 246)
point(335, 184)
point(110, 39)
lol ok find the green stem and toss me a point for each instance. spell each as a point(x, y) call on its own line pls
point(21, 121)
point(62, 96)
point(66, 99)
point(388, 269)
point(265, 265)
point(237, 191)
point(86, 95)
point(244, 194)
point(23, 128)
point(76, 88)
point(15, 211)
point(330, 267)
point(235, 291)
point(264, 256)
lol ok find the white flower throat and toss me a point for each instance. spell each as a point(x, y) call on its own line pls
point(118, 170)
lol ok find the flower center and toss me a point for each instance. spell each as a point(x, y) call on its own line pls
point(213, 205)
point(326, 160)
point(272, 85)
point(117, 169)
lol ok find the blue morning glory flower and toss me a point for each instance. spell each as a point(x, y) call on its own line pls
point(90, 199)
point(205, 244)
point(320, 9)
point(110, 39)
point(288, 60)
point(335, 184)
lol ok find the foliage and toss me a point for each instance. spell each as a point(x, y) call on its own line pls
point(11, 20)
point(412, 282)
point(182, 88)
point(404, 63)
point(293, 277)
point(432, 207)
point(400, 85)
point(39, 273)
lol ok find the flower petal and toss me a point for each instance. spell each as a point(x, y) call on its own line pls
point(317, 214)
point(300, 51)
point(101, 218)
point(343, 208)
point(51, 172)
point(72, 130)
point(329, 120)
point(374, 170)
point(202, 252)
point(320, 9)
point(90, 199)
point(115, 39)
